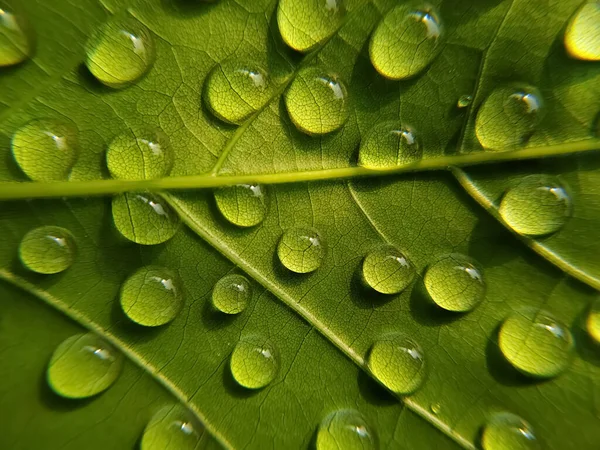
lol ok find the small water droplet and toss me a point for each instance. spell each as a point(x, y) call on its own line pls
point(254, 362)
point(231, 294)
point(83, 365)
point(16, 36)
point(436, 408)
point(535, 343)
point(144, 218)
point(582, 36)
point(120, 52)
point(141, 156)
point(346, 429)
point(389, 144)
point(317, 101)
point(45, 149)
point(387, 270)
point(455, 283)
point(172, 428)
point(47, 250)
point(301, 250)
point(507, 431)
point(243, 205)
point(464, 101)
point(406, 41)
point(592, 322)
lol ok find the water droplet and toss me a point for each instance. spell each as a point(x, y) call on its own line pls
point(243, 205)
point(507, 431)
point(233, 91)
point(83, 365)
point(346, 429)
point(406, 41)
point(172, 428)
point(45, 149)
point(535, 343)
point(317, 101)
point(536, 206)
point(47, 250)
point(389, 144)
point(592, 322)
point(144, 218)
point(16, 37)
point(436, 408)
point(455, 283)
point(464, 101)
point(508, 117)
point(398, 363)
point(301, 250)
point(231, 294)
point(152, 296)
point(387, 270)
point(143, 156)
point(309, 23)
point(582, 36)
point(120, 52)
point(254, 362)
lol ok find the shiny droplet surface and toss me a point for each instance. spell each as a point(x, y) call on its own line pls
point(582, 36)
point(398, 363)
point(243, 205)
point(120, 52)
point(304, 25)
point(387, 270)
point(464, 101)
point(254, 362)
point(143, 156)
point(234, 90)
point(537, 205)
point(231, 294)
point(406, 41)
point(535, 343)
point(301, 250)
point(172, 428)
point(144, 218)
point(455, 283)
point(16, 39)
point(45, 149)
point(47, 250)
point(507, 431)
point(346, 429)
point(592, 322)
point(508, 117)
point(317, 101)
point(152, 296)
point(83, 365)
point(389, 144)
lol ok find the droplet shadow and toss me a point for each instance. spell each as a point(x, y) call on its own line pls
point(188, 8)
point(56, 402)
point(364, 296)
point(425, 312)
point(213, 319)
point(373, 392)
point(232, 386)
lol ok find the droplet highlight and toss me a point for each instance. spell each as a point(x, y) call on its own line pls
point(16, 37)
point(172, 428)
point(47, 250)
point(507, 431)
point(144, 156)
point(231, 294)
point(582, 36)
point(387, 270)
point(301, 250)
point(389, 144)
point(244, 205)
point(346, 429)
point(254, 362)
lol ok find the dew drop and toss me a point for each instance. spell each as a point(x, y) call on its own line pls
point(536, 206)
point(406, 41)
point(231, 294)
point(144, 218)
point(304, 25)
point(464, 101)
point(507, 431)
point(436, 408)
point(387, 270)
point(535, 343)
point(47, 250)
point(592, 322)
point(172, 428)
point(317, 101)
point(243, 205)
point(455, 283)
point(120, 52)
point(16, 37)
point(83, 365)
point(301, 250)
point(389, 144)
point(45, 149)
point(345, 429)
point(254, 362)
point(582, 36)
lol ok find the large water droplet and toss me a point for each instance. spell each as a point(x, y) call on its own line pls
point(317, 101)
point(45, 149)
point(507, 431)
point(243, 205)
point(144, 218)
point(592, 322)
point(47, 249)
point(346, 429)
point(301, 250)
point(152, 296)
point(582, 36)
point(387, 270)
point(16, 38)
point(83, 365)
point(254, 362)
point(536, 206)
point(406, 41)
point(143, 156)
point(389, 144)
point(172, 428)
point(508, 117)
point(455, 283)
point(231, 294)
point(398, 363)
point(120, 52)
point(535, 343)
point(304, 25)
